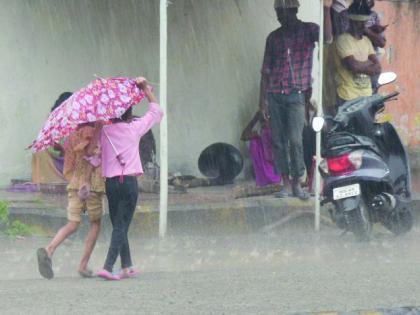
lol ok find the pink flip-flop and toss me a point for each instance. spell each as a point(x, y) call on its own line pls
point(132, 272)
point(105, 274)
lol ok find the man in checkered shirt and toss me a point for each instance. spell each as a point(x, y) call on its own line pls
point(285, 83)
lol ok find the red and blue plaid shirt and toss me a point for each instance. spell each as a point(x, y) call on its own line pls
point(288, 58)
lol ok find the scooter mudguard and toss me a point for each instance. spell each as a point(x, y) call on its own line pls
point(349, 204)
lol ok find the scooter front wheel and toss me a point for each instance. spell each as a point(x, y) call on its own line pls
point(359, 222)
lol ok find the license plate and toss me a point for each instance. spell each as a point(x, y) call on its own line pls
point(346, 191)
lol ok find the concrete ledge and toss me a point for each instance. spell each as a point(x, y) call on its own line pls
point(204, 219)
point(231, 217)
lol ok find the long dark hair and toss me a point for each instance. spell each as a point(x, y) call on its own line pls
point(63, 96)
point(127, 115)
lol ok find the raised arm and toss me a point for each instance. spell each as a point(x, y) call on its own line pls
point(377, 39)
point(143, 84)
point(328, 37)
point(153, 115)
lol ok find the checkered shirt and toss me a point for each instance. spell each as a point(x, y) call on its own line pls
point(288, 58)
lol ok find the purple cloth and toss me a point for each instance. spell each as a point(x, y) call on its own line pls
point(262, 159)
point(59, 163)
point(25, 187)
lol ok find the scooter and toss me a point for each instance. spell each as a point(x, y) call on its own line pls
point(365, 168)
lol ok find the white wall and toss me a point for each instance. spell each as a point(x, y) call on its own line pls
point(215, 53)
point(51, 46)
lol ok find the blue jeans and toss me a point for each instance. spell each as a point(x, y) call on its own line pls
point(287, 119)
point(122, 201)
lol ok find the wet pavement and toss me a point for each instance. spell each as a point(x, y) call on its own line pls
point(292, 270)
point(288, 269)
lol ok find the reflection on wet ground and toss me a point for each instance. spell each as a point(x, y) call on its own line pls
point(287, 271)
point(174, 254)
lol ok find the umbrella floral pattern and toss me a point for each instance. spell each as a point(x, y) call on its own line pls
point(102, 99)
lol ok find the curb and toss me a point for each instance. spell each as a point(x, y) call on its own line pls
point(392, 311)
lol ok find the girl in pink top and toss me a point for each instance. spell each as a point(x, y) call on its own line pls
point(120, 166)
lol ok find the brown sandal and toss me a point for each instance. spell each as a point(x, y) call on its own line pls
point(86, 273)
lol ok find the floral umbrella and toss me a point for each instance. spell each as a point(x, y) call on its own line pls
point(102, 99)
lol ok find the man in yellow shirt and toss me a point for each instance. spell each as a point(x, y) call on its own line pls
point(355, 57)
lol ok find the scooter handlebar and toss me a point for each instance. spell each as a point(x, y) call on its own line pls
point(390, 96)
point(379, 102)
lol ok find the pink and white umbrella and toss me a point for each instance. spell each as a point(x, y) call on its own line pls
point(102, 99)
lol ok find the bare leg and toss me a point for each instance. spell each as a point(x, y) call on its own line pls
point(61, 235)
point(95, 228)
point(286, 181)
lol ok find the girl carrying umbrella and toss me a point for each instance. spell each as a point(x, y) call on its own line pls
point(120, 166)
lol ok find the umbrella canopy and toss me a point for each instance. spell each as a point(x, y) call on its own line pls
point(102, 99)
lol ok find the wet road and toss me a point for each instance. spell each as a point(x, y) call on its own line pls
point(279, 273)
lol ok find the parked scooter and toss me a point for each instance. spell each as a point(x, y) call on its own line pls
point(365, 168)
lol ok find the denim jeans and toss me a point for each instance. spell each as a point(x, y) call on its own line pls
point(287, 119)
point(122, 201)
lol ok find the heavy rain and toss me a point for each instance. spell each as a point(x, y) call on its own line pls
point(209, 157)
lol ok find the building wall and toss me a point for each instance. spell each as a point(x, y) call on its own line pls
point(215, 56)
point(401, 56)
point(51, 46)
point(215, 53)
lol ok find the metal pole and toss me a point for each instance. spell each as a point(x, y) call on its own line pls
point(319, 113)
point(163, 211)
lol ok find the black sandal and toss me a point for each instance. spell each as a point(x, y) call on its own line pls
point(44, 264)
point(300, 193)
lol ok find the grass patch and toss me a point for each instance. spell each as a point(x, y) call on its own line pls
point(12, 228)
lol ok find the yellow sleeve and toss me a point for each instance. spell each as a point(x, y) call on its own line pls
point(344, 47)
point(371, 50)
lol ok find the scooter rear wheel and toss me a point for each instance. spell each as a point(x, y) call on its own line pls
point(359, 222)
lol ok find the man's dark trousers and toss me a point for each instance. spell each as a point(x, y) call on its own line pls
point(287, 119)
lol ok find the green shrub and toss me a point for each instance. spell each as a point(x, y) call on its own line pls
point(15, 228)
point(4, 212)
point(18, 228)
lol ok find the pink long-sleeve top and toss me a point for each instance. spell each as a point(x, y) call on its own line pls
point(125, 137)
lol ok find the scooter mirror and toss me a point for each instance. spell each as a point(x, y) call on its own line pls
point(387, 77)
point(317, 123)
